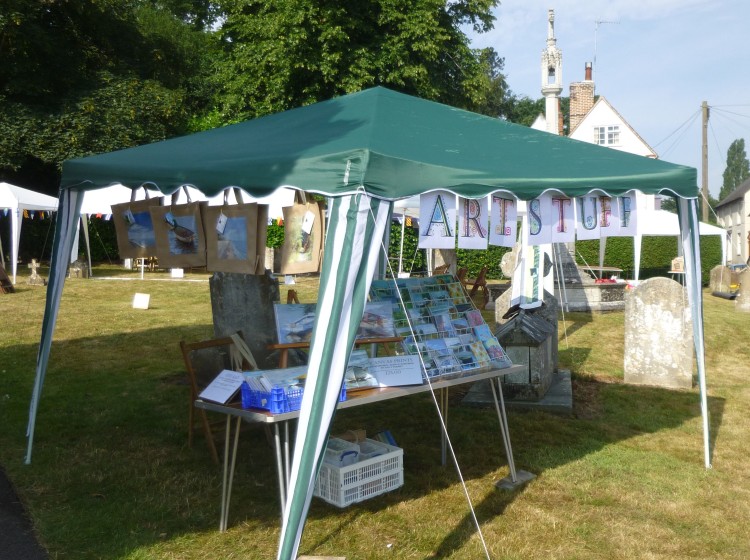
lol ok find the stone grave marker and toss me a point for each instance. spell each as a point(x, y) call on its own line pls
point(244, 302)
point(742, 302)
point(658, 335)
point(722, 279)
point(35, 279)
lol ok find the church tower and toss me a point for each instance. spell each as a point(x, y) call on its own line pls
point(552, 77)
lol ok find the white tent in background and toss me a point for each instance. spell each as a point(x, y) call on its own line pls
point(17, 200)
point(662, 222)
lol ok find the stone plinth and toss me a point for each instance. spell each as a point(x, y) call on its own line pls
point(244, 302)
point(593, 297)
point(658, 335)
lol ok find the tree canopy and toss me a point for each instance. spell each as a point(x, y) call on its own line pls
point(737, 170)
point(93, 76)
point(288, 53)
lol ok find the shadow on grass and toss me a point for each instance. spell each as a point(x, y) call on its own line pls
point(549, 441)
point(111, 453)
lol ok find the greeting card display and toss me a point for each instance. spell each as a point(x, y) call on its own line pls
point(180, 241)
point(134, 228)
point(440, 323)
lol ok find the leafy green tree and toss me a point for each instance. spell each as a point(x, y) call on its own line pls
point(737, 170)
point(93, 76)
point(289, 53)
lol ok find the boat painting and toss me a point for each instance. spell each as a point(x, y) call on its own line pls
point(181, 233)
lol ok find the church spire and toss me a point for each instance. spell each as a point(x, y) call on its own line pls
point(552, 76)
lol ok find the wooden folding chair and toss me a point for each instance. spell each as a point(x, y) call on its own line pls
point(480, 282)
point(461, 274)
point(292, 297)
point(203, 361)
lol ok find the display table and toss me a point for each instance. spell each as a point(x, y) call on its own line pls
point(280, 424)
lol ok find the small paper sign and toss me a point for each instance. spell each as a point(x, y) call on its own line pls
point(140, 301)
point(307, 222)
point(221, 224)
point(395, 371)
point(178, 272)
point(223, 387)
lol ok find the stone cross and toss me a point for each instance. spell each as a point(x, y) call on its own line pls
point(35, 279)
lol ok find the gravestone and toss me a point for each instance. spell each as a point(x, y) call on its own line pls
point(35, 279)
point(742, 302)
point(244, 302)
point(722, 279)
point(658, 335)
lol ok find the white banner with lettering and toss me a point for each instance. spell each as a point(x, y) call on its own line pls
point(552, 218)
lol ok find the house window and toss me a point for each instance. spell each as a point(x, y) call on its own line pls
point(607, 135)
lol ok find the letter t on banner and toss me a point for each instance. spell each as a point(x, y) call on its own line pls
point(503, 221)
point(472, 223)
point(437, 226)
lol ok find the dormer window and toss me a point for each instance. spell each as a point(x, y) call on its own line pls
point(607, 135)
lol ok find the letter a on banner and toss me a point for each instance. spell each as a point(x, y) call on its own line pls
point(587, 226)
point(437, 226)
point(472, 223)
point(503, 221)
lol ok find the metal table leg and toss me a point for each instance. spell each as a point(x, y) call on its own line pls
point(280, 467)
point(228, 474)
point(516, 478)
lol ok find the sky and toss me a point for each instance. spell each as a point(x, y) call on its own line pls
point(655, 61)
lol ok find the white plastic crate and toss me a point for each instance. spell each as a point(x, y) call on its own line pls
point(343, 486)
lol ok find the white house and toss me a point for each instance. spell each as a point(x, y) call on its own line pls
point(732, 215)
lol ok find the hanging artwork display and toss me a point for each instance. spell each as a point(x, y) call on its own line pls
point(473, 220)
point(437, 226)
point(232, 238)
point(303, 238)
point(180, 239)
point(134, 228)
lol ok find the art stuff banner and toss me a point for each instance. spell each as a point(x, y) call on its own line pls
point(552, 218)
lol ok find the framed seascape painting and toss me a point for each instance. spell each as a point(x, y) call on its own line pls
point(134, 228)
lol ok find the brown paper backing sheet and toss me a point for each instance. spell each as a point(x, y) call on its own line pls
point(138, 240)
point(183, 247)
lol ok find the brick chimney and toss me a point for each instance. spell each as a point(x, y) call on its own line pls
point(581, 99)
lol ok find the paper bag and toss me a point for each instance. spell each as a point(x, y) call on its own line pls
point(180, 239)
point(231, 238)
point(303, 238)
point(134, 228)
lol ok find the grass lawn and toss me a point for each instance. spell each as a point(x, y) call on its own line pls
point(112, 476)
